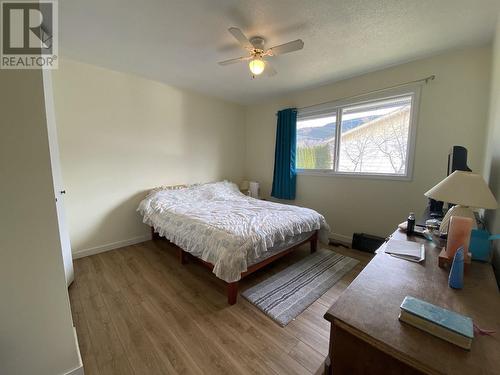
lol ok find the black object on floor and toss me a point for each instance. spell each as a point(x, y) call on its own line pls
point(366, 242)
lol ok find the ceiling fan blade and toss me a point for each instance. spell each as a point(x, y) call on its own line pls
point(240, 37)
point(286, 48)
point(270, 71)
point(233, 61)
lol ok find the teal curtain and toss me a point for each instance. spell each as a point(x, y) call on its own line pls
point(284, 155)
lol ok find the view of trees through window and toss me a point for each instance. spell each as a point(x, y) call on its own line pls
point(316, 142)
point(373, 138)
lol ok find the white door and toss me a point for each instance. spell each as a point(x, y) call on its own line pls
point(57, 176)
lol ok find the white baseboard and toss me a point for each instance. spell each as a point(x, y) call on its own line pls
point(110, 246)
point(78, 370)
point(341, 238)
point(132, 241)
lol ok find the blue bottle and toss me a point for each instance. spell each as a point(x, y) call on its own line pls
point(456, 279)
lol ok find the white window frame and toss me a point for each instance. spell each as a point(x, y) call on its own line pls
point(336, 107)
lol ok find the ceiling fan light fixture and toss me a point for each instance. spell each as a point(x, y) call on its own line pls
point(256, 50)
point(257, 66)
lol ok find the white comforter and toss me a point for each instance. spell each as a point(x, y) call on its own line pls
point(217, 223)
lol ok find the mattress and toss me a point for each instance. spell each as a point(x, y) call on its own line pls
point(218, 224)
point(281, 246)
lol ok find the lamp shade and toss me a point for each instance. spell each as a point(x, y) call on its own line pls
point(245, 185)
point(465, 189)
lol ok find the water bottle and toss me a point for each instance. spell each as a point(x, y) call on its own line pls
point(410, 224)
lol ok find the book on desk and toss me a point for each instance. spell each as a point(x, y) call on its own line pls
point(443, 323)
point(407, 250)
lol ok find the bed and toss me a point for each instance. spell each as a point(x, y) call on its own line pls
point(229, 232)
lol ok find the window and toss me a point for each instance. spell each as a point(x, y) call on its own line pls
point(369, 137)
point(316, 142)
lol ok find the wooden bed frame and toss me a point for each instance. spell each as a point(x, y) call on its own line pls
point(232, 288)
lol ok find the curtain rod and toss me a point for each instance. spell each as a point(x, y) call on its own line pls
point(424, 80)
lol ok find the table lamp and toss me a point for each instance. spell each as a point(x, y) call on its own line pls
point(245, 187)
point(465, 190)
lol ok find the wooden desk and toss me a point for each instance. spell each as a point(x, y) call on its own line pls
point(367, 337)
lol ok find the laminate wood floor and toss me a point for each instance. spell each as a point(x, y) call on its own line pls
point(138, 311)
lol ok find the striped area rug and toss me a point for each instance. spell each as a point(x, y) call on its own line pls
point(285, 295)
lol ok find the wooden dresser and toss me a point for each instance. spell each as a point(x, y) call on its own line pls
point(367, 337)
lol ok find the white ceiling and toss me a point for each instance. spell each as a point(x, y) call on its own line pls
point(180, 42)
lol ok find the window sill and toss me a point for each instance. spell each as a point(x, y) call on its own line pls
point(371, 176)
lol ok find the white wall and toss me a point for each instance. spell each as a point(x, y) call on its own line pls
point(36, 329)
point(492, 154)
point(453, 111)
point(121, 135)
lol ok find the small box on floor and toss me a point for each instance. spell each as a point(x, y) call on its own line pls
point(366, 242)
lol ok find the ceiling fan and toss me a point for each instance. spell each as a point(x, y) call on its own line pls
point(255, 46)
